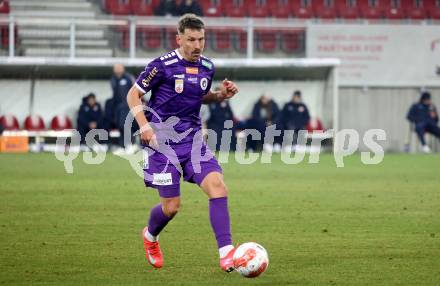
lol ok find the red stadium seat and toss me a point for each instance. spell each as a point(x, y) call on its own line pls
point(9, 122)
point(118, 7)
point(60, 122)
point(212, 8)
point(4, 7)
point(280, 8)
point(34, 123)
point(124, 36)
point(150, 37)
point(267, 41)
point(372, 9)
point(302, 9)
point(235, 8)
point(347, 9)
point(171, 43)
point(394, 10)
point(433, 8)
point(292, 41)
point(143, 7)
point(415, 9)
point(258, 8)
point(4, 35)
point(314, 125)
point(324, 9)
point(240, 40)
point(221, 39)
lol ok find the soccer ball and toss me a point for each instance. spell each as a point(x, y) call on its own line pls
point(250, 259)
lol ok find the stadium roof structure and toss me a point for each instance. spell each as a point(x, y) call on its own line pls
point(296, 69)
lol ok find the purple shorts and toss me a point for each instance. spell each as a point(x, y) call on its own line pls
point(162, 171)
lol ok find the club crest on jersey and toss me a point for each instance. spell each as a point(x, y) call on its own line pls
point(178, 85)
point(204, 83)
point(192, 70)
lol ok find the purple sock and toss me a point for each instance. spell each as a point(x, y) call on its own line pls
point(219, 217)
point(158, 220)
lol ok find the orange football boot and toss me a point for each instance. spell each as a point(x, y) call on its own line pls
point(152, 251)
point(227, 263)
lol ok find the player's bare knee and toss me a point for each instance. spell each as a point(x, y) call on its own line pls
point(171, 207)
point(218, 189)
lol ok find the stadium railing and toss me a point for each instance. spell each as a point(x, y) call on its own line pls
point(136, 37)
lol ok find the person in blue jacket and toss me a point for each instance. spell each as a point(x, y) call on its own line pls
point(121, 82)
point(89, 116)
point(265, 113)
point(219, 113)
point(295, 115)
point(424, 116)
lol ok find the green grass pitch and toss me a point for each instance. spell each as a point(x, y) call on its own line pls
point(322, 225)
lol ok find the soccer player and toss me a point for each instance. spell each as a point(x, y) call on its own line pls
point(180, 82)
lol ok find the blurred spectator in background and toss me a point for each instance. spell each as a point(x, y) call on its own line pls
point(89, 116)
point(120, 83)
point(168, 8)
point(264, 113)
point(295, 115)
point(219, 113)
point(190, 6)
point(424, 116)
point(117, 108)
point(1, 128)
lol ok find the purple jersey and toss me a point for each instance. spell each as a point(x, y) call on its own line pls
point(177, 87)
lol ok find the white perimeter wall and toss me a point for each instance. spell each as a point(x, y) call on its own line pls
point(53, 97)
point(383, 108)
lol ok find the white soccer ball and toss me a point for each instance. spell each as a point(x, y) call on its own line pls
point(250, 259)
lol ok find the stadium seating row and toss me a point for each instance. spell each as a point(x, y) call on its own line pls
point(35, 123)
point(220, 39)
point(4, 28)
point(303, 9)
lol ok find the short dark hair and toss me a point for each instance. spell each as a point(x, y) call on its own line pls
point(425, 96)
point(297, 93)
point(190, 21)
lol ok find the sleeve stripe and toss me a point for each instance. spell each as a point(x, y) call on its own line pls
point(140, 88)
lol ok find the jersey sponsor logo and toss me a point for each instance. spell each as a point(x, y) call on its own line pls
point(204, 83)
point(146, 81)
point(162, 179)
point(207, 64)
point(179, 76)
point(301, 109)
point(192, 70)
point(178, 85)
point(167, 63)
point(192, 79)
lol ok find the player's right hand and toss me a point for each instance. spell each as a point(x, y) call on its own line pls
point(148, 137)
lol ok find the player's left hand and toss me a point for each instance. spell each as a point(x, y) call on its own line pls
point(228, 89)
